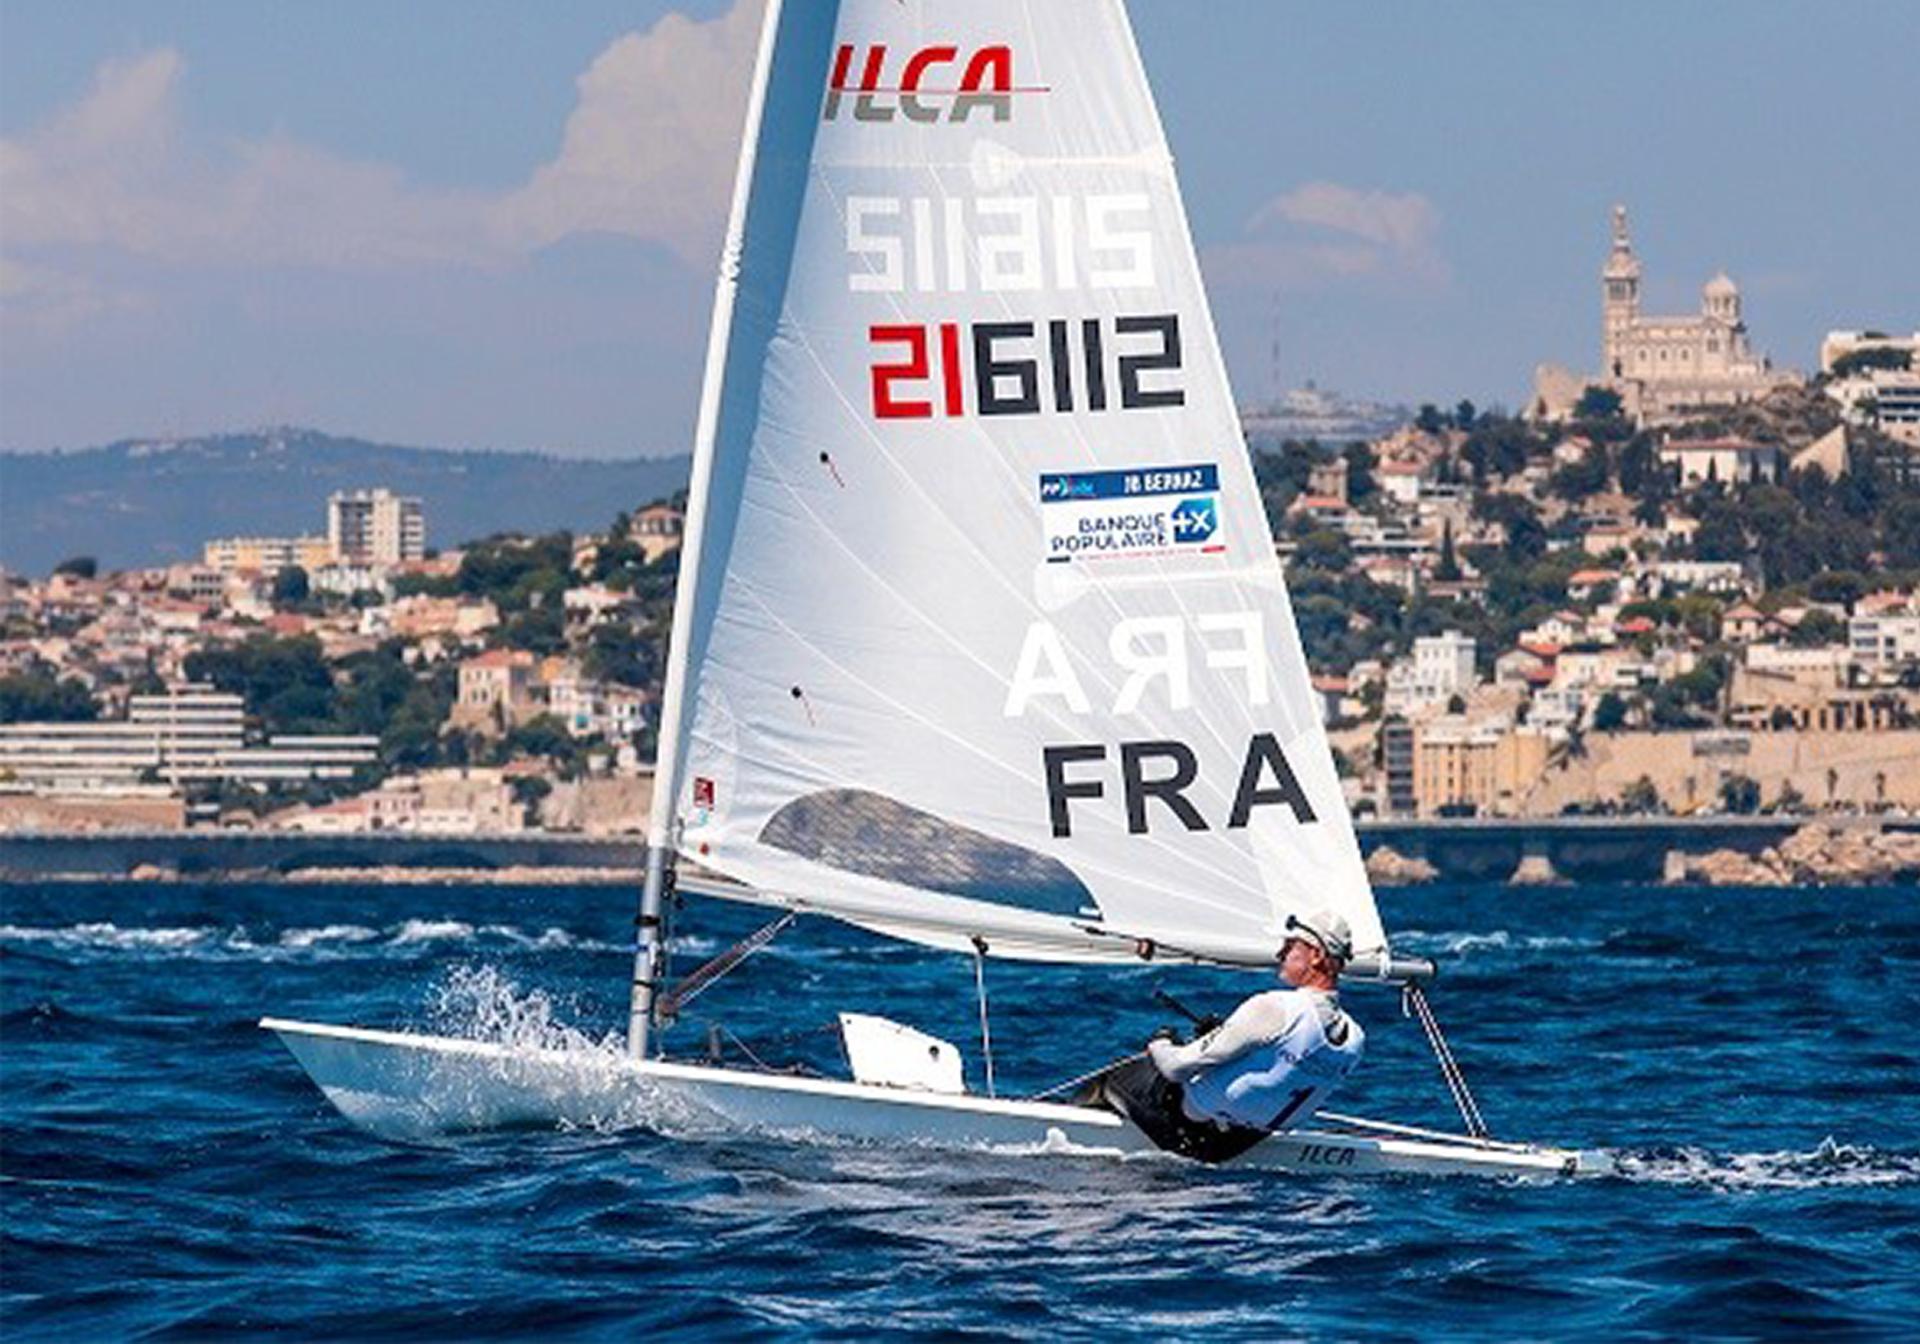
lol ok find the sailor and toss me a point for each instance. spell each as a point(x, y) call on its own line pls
point(1268, 1067)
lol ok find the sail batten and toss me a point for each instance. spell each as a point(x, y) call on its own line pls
point(988, 629)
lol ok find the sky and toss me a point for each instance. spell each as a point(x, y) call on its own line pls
point(487, 224)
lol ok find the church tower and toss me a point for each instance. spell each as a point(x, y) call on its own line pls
point(1620, 298)
point(1726, 336)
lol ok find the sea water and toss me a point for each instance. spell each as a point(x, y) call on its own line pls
point(1750, 1059)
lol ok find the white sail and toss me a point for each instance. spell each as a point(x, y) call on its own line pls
point(982, 633)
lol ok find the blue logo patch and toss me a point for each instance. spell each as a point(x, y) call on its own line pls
point(1194, 520)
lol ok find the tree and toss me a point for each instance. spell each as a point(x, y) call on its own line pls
point(78, 567)
point(290, 587)
point(1638, 464)
point(1641, 796)
point(1429, 420)
point(37, 697)
point(1838, 585)
point(425, 585)
point(1740, 795)
point(1447, 568)
point(1872, 357)
point(1610, 714)
point(1324, 549)
point(1817, 629)
point(1464, 414)
point(1526, 537)
point(544, 736)
point(617, 652)
point(517, 572)
point(1699, 616)
point(1597, 403)
point(528, 790)
point(1360, 480)
point(1588, 476)
point(284, 682)
point(541, 629)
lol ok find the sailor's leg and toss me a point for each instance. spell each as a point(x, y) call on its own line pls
point(1156, 1107)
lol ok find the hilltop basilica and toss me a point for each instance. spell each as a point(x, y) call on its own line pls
point(1663, 367)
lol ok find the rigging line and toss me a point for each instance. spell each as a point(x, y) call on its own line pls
point(1415, 998)
point(1086, 1077)
point(1157, 945)
point(980, 987)
point(703, 977)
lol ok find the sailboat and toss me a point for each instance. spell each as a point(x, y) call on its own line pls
point(981, 641)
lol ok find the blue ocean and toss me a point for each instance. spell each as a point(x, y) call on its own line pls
point(1751, 1059)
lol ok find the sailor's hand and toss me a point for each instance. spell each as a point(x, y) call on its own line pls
point(1160, 1050)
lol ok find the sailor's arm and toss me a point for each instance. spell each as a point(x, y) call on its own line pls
point(1261, 1019)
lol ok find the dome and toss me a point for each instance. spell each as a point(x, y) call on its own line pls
point(1721, 287)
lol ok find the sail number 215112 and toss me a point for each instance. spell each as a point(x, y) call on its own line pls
point(1023, 367)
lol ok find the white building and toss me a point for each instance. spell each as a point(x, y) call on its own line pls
point(1887, 397)
point(1707, 576)
point(1440, 667)
point(1729, 461)
point(347, 580)
point(1837, 345)
point(189, 733)
point(1884, 642)
point(597, 708)
point(375, 527)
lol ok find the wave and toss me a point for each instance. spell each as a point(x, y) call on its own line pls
point(324, 942)
point(109, 937)
point(1831, 1164)
point(1458, 943)
point(331, 933)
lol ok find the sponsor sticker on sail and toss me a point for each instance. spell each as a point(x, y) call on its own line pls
point(1131, 513)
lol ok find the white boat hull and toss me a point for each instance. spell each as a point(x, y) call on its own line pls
point(403, 1085)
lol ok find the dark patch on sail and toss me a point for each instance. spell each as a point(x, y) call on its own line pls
point(875, 836)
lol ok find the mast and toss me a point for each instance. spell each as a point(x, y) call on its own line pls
point(649, 957)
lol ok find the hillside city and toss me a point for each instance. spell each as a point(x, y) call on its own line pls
point(1686, 583)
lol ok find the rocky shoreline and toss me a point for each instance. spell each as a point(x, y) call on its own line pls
point(1814, 855)
point(1818, 854)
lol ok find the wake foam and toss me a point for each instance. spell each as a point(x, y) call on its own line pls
point(1831, 1164)
point(483, 1003)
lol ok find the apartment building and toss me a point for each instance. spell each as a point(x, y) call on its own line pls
point(375, 527)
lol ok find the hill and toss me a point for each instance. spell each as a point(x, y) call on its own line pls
point(153, 502)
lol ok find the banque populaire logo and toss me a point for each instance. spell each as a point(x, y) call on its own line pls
point(1131, 514)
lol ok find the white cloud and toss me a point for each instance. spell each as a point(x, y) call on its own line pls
point(650, 147)
point(1403, 224)
point(1374, 234)
point(49, 304)
point(647, 153)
